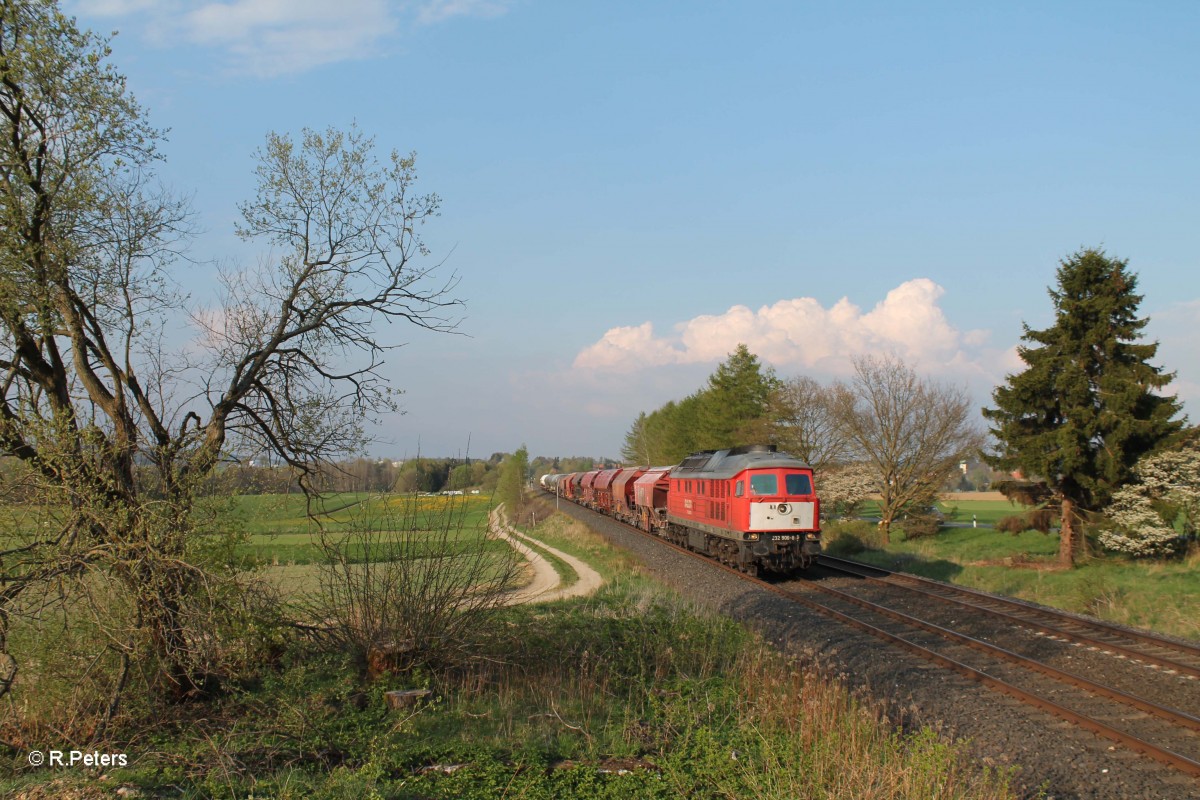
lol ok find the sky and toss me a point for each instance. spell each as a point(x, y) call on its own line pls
point(631, 189)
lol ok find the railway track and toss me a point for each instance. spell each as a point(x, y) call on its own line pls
point(1132, 717)
point(1158, 652)
point(1035, 655)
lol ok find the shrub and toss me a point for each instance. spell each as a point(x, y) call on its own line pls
point(845, 545)
point(408, 585)
point(1013, 524)
point(1042, 519)
point(919, 526)
point(1038, 519)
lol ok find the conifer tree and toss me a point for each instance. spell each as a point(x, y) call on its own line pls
point(638, 447)
point(1085, 408)
point(728, 411)
point(737, 395)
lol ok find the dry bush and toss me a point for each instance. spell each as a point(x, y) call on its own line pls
point(1013, 524)
point(849, 537)
point(1042, 519)
point(406, 585)
point(920, 526)
point(1037, 519)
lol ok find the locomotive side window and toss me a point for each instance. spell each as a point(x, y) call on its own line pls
point(739, 489)
point(763, 484)
point(798, 484)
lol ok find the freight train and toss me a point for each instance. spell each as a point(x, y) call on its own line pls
point(751, 507)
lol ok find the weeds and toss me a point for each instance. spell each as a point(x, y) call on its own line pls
point(849, 537)
point(407, 585)
point(631, 693)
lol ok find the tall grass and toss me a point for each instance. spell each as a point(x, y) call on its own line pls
point(633, 692)
point(683, 701)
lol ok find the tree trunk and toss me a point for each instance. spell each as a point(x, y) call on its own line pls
point(885, 531)
point(1066, 540)
point(170, 644)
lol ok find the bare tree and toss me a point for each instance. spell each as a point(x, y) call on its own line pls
point(801, 420)
point(117, 430)
point(912, 431)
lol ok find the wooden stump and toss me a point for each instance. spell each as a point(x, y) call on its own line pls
point(406, 698)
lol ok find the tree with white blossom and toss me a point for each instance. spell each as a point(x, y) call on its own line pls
point(1164, 494)
point(843, 489)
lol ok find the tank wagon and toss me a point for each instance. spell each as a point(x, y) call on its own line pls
point(751, 507)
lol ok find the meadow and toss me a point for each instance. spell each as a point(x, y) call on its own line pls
point(633, 692)
point(286, 544)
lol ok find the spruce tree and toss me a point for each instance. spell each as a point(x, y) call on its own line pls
point(638, 447)
point(1085, 408)
point(736, 396)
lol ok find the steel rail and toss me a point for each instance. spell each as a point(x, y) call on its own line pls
point(899, 581)
point(1160, 754)
point(1172, 715)
point(1138, 636)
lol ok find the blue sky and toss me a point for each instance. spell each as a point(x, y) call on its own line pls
point(630, 189)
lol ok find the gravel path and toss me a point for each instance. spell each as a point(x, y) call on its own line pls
point(1052, 758)
point(546, 582)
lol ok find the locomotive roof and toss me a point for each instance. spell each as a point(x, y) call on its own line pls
point(727, 463)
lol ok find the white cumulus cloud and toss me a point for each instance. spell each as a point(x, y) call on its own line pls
point(438, 10)
point(265, 38)
point(115, 8)
point(799, 332)
point(1174, 328)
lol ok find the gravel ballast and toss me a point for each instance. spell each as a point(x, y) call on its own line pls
point(1053, 759)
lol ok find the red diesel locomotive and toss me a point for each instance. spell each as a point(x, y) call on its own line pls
point(750, 507)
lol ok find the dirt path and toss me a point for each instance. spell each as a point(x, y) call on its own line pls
point(546, 583)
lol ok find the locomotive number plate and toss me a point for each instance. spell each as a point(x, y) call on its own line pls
point(786, 537)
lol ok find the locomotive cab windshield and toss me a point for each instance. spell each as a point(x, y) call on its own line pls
point(795, 484)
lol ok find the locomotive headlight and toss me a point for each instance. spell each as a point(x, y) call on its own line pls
point(783, 508)
point(752, 537)
point(812, 536)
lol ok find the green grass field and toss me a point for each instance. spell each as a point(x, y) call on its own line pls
point(285, 542)
point(985, 512)
point(280, 533)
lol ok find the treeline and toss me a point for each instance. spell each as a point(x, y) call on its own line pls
point(430, 475)
point(885, 432)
